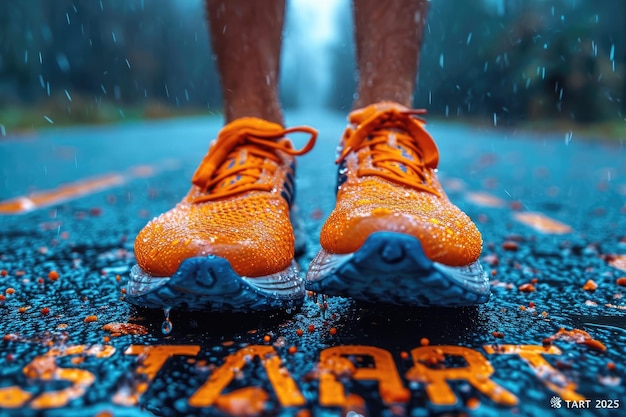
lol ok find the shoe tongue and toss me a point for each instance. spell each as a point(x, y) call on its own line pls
point(242, 156)
point(250, 123)
point(426, 143)
point(392, 146)
point(360, 115)
point(238, 159)
point(255, 166)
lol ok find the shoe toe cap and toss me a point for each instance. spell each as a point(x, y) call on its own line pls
point(164, 243)
point(450, 240)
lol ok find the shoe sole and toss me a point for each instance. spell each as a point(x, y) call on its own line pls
point(210, 284)
point(392, 268)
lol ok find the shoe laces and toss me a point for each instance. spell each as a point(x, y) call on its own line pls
point(239, 158)
point(397, 146)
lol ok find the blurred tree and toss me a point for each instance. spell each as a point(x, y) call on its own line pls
point(120, 51)
point(510, 60)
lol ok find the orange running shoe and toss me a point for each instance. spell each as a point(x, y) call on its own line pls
point(394, 236)
point(229, 244)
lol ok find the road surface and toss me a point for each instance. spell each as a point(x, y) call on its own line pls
point(551, 208)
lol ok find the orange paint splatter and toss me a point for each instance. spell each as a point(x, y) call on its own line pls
point(91, 319)
point(10, 291)
point(473, 403)
point(53, 275)
point(526, 288)
point(617, 261)
point(621, 282)
point(125, 328)
point(424, 341)
point(590, 285)
point(333, 331)
point(510, 246)
point(578, 336)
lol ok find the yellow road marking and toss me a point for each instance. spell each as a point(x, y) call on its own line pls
point(69, 191)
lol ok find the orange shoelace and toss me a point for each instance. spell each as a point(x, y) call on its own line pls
point(220, 165)
point(387, 158)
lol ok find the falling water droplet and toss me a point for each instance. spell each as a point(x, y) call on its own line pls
point(166, 326)
point(568, 137)
point(324, 305)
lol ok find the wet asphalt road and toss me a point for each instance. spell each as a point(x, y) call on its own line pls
point(494, 175)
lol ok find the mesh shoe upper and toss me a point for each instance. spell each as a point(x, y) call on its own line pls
point(387, 182)
point(237, 208)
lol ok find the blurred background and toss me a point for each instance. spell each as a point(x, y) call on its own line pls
point(534, 63)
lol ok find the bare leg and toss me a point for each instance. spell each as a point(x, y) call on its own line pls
point(246, 38)
point(388, 40)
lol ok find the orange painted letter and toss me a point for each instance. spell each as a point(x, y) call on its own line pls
point(334, 365)
point(210, 393)
point(551, 377)
point(477, 373)
point(154, 357)
point(44, 368)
